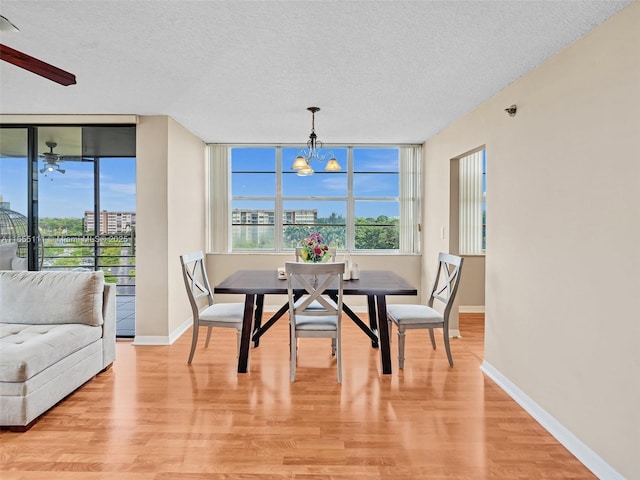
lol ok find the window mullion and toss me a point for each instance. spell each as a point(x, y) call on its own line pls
point(351, 219)
point(279, 209)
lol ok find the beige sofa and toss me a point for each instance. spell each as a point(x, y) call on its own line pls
point(57, 331)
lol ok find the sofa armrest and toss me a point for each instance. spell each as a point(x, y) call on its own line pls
point(109, 325)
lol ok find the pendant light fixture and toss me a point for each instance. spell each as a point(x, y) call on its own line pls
point(302, 163)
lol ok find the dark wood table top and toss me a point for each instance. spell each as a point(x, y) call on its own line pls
point(260, 282)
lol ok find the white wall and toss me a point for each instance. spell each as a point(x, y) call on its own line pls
point(563, 264)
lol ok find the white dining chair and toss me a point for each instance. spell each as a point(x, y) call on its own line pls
point(332, 258)
point(207, 313)
point(412, 316)
point(324, 322)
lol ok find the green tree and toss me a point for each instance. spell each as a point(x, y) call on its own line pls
point(380, 233)
point(334, 236)
point(67, 262)
point(60, 226)
point(109, 277)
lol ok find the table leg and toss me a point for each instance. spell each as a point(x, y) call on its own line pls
point(383, 333)
point(243, 355)
point(257, 322)
point(258, 332)
point(353, 316)
point(371, 304)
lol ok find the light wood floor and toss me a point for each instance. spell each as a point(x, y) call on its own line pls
point(153, 417)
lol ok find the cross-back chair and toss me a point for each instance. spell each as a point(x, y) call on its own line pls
point(332, 258)
point(411, 316)
point(207, 313)
point(314, 315)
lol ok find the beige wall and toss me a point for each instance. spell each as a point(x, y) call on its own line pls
point(471, 291)
point(152, 290)
point(563, 264)
point(170, 220)
point(187, 212)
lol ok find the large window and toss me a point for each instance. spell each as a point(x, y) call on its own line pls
point(253, 183)
point(370, 205)
point(376, 194)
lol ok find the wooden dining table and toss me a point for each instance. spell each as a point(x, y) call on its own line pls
point(255, 284)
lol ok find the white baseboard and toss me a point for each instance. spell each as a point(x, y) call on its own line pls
point(147, 340)
point(163, 339)
point(471, 309)
point(454, 333)
point(582, 452)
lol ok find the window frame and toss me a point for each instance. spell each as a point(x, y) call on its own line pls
point(223, 165)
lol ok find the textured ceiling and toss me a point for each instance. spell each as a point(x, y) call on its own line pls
point(241, 71)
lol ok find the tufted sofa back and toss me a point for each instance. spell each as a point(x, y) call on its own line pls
point(51, 297)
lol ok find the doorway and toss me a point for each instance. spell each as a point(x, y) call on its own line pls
point(467, 227)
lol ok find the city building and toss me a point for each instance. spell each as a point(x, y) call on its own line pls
point(266, 217)
point(257, 226)
point(110, 222)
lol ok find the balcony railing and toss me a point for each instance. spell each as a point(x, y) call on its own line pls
point(114, 254)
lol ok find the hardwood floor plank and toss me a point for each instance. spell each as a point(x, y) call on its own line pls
point(153, 417)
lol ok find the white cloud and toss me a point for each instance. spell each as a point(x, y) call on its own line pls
point(120, 188)
point(336, 184)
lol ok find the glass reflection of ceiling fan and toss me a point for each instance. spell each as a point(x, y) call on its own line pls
point(51, 160)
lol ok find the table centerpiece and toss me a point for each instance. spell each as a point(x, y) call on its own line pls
point(313, 249)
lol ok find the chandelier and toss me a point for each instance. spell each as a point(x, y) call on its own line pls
point(302, 163)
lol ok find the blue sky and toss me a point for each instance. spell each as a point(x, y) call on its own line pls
point(71, 193)
point(254, 176)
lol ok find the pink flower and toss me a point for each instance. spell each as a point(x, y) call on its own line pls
point(314, 248)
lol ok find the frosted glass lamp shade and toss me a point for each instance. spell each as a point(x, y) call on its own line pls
point(333, 166)
point(299, 163)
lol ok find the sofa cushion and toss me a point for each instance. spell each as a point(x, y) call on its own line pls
point(38, 298)
point(7, 253)
point(29, 349)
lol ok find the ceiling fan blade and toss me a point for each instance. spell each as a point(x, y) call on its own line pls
point(36, 66)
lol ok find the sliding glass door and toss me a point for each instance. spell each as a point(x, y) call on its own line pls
point(66, 190)
point(14, 199)
point(67, 202)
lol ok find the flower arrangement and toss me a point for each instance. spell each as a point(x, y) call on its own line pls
point(314, 249)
